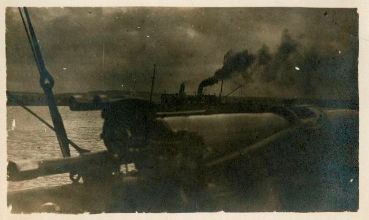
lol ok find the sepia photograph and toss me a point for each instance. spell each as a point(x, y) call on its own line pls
point(182, 109)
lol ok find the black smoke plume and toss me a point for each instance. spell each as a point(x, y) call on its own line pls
point(297, 68)
point(233, 63)
point(293, 68)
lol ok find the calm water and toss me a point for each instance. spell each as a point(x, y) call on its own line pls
point(29, 139)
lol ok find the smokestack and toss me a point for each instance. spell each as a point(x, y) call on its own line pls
point(233, 62)
point(206, 82)
point(221, 89)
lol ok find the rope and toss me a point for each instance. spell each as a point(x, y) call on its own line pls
point(74, 145)
point(47, 83)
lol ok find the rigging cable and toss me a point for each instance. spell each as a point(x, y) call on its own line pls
point(74, 145)
point(46, 82)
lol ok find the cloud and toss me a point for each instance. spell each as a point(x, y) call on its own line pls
point(187, 45)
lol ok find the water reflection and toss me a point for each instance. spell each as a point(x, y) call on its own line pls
point(32, 140)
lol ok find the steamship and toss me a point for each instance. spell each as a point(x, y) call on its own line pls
point(198, 153)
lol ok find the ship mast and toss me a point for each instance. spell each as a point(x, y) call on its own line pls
point(152, 83)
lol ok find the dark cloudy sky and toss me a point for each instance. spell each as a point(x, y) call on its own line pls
point(187, 45)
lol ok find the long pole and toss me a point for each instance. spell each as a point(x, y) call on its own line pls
point(152, 83)
point(47, 83)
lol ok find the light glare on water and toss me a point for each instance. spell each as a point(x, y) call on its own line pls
point(32, 140)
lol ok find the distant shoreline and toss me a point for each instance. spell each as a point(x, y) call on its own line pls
point(63, 99)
